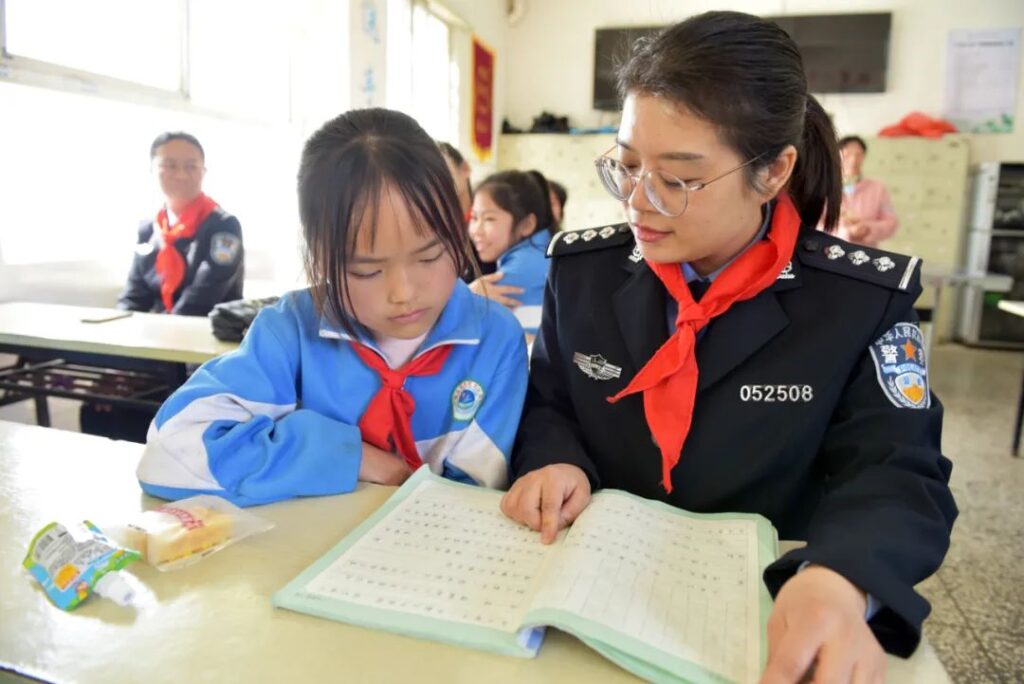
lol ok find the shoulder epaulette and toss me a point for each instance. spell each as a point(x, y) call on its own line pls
point(589, 239)
point(829, 253)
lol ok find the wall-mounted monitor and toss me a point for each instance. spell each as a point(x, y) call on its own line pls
point(843, 53)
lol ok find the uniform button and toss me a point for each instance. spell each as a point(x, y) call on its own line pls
point(811, 245)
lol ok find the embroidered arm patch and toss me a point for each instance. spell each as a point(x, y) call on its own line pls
point(901, 368)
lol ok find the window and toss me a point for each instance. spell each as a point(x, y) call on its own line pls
point(425, 87)
point(90, 37)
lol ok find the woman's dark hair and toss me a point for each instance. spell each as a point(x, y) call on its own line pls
point(520, 193)
point(165, 138)
point(745, 75)
point(847, 139)
point(345, 168)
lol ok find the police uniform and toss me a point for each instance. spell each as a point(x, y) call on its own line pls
point(812, 408)
point(214, 268)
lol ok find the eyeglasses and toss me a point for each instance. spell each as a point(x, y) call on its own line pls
point(172, 166)
point(667, 193)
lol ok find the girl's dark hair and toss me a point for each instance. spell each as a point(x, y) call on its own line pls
point(847, 139)
point(165, 138)
point(520, 193)
point(452, 153)
point(745, 75)
point(560, 192)
point(345, 168)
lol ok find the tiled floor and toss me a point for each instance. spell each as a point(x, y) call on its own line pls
point(977, 623)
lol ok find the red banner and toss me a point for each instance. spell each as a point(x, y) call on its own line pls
point(483, 100)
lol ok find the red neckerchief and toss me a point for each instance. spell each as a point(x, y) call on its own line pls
point(669, 379)
point(170, 265)
point(386, 424)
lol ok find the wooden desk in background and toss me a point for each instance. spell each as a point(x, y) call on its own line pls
point(62, 354)
point(213, 621)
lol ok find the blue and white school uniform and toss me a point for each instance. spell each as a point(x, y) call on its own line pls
point(525, 265)
point(278, 417)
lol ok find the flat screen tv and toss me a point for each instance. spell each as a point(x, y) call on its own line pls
point(843, 53)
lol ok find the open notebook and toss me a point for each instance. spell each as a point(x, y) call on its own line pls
point(668, 595)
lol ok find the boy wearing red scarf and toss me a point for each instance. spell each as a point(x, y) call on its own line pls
point(190, 256)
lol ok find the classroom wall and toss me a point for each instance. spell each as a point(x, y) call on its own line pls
point(551, 57)
point(487, 19)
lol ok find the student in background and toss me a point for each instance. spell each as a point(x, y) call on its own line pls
point(558, 197)
point(190, 256)
point(510, 224)
point(187, 259)
point(386, 362)
point(719, 354)
point(866, 215)
point(461, 172)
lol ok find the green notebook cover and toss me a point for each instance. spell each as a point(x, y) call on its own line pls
point(655, 589)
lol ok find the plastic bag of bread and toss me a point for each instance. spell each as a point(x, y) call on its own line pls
point(186, 531)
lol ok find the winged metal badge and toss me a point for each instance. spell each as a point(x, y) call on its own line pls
point(596, 366)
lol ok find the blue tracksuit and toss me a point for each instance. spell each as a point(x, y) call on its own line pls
point(278, 417)
point(525, 265)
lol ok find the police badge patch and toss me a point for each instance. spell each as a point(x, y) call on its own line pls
point(901, 368)
point(224, 248)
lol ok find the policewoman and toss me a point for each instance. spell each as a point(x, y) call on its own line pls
point(190, 256)
point(717, 353)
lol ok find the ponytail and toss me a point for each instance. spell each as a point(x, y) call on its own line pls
point(816, 185)
point(547, 219)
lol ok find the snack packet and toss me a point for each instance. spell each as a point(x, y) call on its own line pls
point(184, 532)
point(73, 561)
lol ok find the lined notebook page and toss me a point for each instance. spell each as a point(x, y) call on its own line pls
point(688, 587)
point(443, 552)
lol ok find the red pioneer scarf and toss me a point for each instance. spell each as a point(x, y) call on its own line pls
point(170, 265)
point(386, 424)
point(669, 379)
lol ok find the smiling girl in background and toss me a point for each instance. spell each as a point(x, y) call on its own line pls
point(511, 224)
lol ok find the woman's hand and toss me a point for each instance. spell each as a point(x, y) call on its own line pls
point(818, 622)
point(487, 286)
point(548, 499)
point(380, 467)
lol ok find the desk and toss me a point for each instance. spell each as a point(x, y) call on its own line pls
point(151, 350)
point(213, 621)
point(941, 278)
point(1017, 309)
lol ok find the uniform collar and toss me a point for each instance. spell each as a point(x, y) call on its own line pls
point(539, 240)
point(460, 323)
point(690, 275)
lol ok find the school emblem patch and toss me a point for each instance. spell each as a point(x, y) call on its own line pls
point(901, 367)
point(466, 399)
point(224, 248)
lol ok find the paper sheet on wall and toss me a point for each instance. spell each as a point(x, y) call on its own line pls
point(981, 80)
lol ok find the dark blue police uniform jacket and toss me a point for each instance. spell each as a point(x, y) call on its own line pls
point(214, 268)
point(812, 409)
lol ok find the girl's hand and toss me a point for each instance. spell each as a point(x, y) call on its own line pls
point(818, 621)
point(380, 467)
point(487, 286)
point(548, 499)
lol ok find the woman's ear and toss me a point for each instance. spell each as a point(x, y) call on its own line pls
point(526, 227)
point(775, 176)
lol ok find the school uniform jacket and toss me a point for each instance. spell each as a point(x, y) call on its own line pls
point(278, 417)
point(214, 268)
point(525, 265)
point(812, 409)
